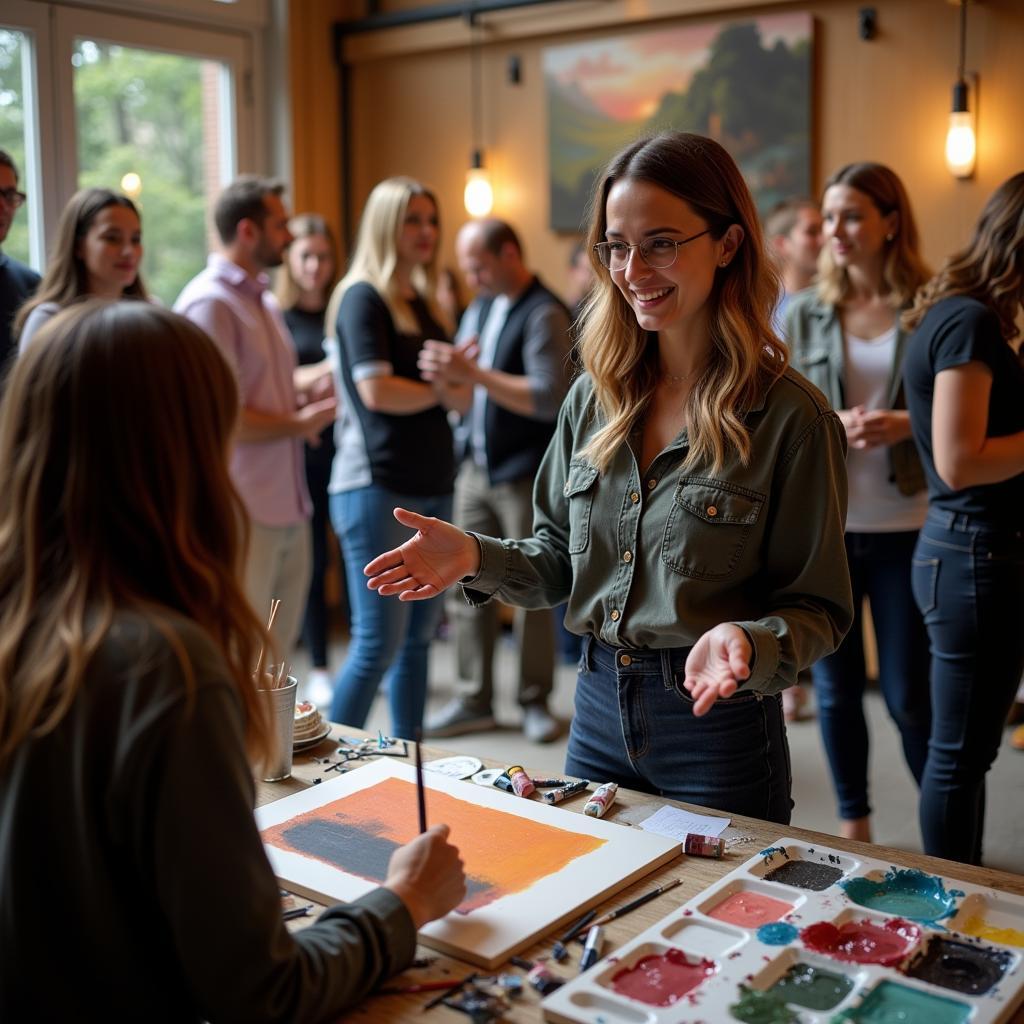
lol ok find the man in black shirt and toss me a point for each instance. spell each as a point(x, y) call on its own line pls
point(17, 282)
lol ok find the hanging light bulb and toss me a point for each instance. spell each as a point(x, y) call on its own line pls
point(478, 196)
point(961, 145)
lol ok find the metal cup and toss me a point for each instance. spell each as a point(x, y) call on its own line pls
point(281, 702)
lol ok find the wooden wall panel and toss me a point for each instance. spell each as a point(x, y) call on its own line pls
point(885, 100)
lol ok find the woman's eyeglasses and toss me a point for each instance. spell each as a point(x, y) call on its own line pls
point(12, 197)
point(658, 252)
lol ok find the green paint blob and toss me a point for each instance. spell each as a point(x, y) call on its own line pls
point(812, 987)
point(892, 1002)
point(756, 1007)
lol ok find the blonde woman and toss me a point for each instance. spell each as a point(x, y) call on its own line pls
point(673, 504)
point(844, 335)
point(394, 443)
point(965, 393)
point(128, 713)
point(97, 252)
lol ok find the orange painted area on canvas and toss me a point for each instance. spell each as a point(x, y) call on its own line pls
point(503, 853)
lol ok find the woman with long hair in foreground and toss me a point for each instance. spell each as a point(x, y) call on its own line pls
point(690, 505)
point(128, 711)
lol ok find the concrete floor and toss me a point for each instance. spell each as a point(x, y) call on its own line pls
point(894, 794)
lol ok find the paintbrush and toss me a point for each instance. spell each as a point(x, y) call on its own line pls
point(274, 605)
point(421, 797)
point(450, 991)
point(637, 903)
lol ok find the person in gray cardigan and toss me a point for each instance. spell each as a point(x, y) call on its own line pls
point(129, 718)
point(845, 337)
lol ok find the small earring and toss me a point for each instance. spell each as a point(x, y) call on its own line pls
point(889, 237)
point(724, 263)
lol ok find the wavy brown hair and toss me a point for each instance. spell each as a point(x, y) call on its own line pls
point(746, 357)
point(990, 268)
point(66, 278)
point(904, 269)
point(115, 495)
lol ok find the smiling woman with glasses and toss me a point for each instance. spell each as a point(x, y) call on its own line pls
point(690, 505)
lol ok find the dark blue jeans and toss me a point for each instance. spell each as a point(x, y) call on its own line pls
point(969, 585)
point(880, 570)
point(388, 636)
point(634, 725)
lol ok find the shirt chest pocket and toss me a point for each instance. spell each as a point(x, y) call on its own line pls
point(580, 486)
point(708, 527)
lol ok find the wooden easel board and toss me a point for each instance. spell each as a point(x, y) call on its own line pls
point(531, 868)
point(803, 930)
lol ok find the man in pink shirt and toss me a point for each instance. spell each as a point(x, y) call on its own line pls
point(232, 302)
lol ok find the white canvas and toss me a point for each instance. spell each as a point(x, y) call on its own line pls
point(489, 934)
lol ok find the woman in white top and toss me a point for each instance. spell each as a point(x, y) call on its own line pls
point(845, 337)
point(96, 254)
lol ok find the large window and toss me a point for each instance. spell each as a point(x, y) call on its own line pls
point(159, 110)
point(156, 126)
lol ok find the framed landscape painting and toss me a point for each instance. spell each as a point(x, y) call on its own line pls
point(745, 83)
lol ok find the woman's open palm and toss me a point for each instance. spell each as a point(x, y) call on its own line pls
point(434, 558)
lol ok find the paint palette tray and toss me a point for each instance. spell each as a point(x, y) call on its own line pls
point(811, 935)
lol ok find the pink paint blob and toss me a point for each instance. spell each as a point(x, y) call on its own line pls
point(662, 979)
point(750, 909)
point(863, 942)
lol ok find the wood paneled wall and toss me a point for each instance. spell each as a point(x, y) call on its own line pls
point(886, 100)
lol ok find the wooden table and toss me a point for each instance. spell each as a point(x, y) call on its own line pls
point(629, 808)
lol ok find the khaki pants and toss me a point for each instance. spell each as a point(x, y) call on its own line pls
point(279, 566)
point(501, 510)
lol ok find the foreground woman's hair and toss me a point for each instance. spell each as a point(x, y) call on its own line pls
point(114, 494)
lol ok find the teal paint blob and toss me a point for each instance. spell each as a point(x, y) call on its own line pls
point(889, 1002)
point(905, 892)
point(778, 933)
point(812, 987)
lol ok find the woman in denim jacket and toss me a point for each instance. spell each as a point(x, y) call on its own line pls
point(690, 505)
point(845, 337)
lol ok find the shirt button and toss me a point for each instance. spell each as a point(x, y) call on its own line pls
point(565, 490)
point(712, 511)
point(625, 659)
point(634, 497)
point(651, 484)
point(615, 615)
point(627, 556)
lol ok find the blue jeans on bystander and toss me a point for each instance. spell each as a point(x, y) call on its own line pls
point(388, 636)
point(969, 584)
point(634, 725)
point(879, 569)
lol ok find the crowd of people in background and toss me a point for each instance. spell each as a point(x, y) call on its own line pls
point(391, 388)
point(683, 457)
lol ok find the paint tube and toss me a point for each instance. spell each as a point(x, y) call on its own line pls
point(522, 785)
point(600, 800)
point(556, 796)
point(703, 846)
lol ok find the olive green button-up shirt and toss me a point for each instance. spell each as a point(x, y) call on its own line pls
point(654, 559)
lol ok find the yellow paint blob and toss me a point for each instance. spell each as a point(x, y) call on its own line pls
point(981, 929)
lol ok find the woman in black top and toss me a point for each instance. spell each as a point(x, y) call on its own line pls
point(304, 286)
point(394, 443)
point(965, 392)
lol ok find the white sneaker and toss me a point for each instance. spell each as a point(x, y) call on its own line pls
point(539, 725)
point(319, 689)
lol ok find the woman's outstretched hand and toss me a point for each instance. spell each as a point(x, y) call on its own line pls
point(434, 558)
point(718, 663)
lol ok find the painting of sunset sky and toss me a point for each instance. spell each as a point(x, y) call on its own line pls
point(745, 83)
